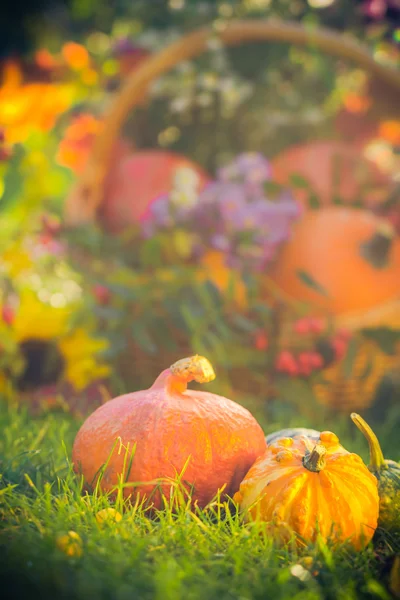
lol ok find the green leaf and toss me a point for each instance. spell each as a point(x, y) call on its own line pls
point(297, 393)
point(298, 181)
point(189, 318)
point(230, 290)
point(142, 337)
point(117, 345)
point(222, 330)
point(368, 367)
point(212, 346)
point(162, 335)
point(13, 181)
point(174, 313)
point(313, 201)
point(243, 323)
point(208, 294)
point(348, 360)
point(311, 282)
point(214, 292)
point(385, 337)
point(127, 293)
point(107, 312)
point(151, 253)
point(272, 189)
point(262, 309)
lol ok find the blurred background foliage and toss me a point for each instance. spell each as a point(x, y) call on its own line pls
point(24, 22)
point(119, 308)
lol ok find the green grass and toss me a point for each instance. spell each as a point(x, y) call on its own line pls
point(176, 554)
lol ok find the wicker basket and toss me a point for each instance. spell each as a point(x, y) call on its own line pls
point(85, 200)
point(359, 390)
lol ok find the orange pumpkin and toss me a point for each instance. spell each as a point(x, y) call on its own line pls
point(351, 254)
point(170, 429)
point(322, 163)
point(312, 488)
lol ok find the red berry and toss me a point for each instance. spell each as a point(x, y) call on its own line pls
point(394, 218)
point(302, 326)
point(7, 314)
point(316, 360)
point(316, 324)
point(309, 362)
point(261, 340)
point(286, 363)
point(343, 334)
point(102, 294)
point(340, 347)
point(51, 225)
point(45, 239)
point(305, 363)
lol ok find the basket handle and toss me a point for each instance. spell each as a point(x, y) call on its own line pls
point(86, 196)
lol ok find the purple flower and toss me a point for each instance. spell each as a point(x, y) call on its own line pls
point(376, 9)
point(233, 262)
point(234, 214)
point(249, 167)
point(231, 200)
point(220, 242)
point(159, 211)
point(124, 46)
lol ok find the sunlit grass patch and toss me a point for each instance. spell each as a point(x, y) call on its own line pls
point(177, 552)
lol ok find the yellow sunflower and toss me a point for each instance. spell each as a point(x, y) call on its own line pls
point(52, 351)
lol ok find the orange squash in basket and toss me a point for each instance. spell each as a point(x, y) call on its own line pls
point(332, 169)
point(341, 261)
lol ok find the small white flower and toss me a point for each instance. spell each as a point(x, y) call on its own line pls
point(186, 178)
point(204, 100)
point(180, 104)
point(300, 572)
point(183, 199)
point(208, 81)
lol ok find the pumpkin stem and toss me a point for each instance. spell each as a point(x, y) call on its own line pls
point(315, 460)
point(377, 249)
point(377, 460)
point(194, 368)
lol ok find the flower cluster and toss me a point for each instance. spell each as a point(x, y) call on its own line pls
point(242, 213)
point(27, 107)
point(50, 345)
point(75, 147)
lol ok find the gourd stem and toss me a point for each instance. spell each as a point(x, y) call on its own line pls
point(194, 368)
point(315, 460)
point(376, 455)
